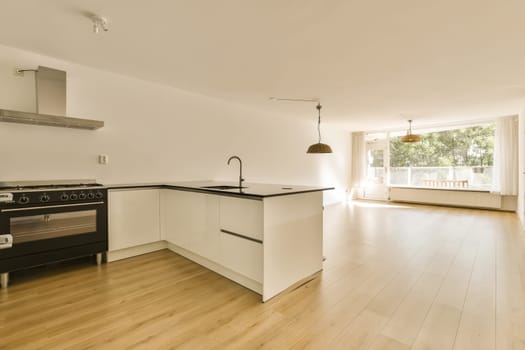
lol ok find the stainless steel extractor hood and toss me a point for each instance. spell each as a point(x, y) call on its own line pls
point(50, 104)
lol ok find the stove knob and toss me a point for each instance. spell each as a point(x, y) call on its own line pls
point(99, 195)
point(82, 195)
point(73, 196)
point(44, 198)
point(64, 197)
point(23, 199)
point(91, 195)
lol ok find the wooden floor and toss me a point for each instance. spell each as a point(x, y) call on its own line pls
point(396, 277)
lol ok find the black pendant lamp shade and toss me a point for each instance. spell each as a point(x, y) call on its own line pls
point(319, 147)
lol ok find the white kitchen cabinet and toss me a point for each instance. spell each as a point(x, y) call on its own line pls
point(264, 244)
point(133, 218)
point(242, 216)
point(242, 255)
point(190, 221)
point(293, 240)
point(241, 238)
point(194, 221)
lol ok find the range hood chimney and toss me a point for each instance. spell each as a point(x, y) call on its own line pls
point(50, 91)
point(50, 103)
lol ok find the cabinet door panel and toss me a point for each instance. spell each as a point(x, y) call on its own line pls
point(185, 218)
point(242, 216)
point(242, 256)
point(133, 218)
point(191, 221)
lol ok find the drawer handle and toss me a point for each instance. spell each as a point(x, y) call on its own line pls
point(241, 236)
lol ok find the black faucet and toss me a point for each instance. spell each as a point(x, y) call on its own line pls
point(240, 169)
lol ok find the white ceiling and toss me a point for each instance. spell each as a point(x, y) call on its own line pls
point(372, 63)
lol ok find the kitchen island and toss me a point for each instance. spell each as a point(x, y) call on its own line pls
point(265, 237)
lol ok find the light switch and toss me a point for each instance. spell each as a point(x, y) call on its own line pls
point(103, 159)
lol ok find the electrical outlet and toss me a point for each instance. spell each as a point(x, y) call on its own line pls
point(103, 159)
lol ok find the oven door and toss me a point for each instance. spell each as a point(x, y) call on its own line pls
point(44, 228)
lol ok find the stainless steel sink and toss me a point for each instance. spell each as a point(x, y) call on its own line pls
point(223, 187)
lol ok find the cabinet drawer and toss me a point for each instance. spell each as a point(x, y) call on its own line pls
point(242, 256)
point(242, 216)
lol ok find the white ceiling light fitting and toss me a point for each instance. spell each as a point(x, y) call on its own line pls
point(99, 23)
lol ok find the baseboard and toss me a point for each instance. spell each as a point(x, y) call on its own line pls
point(221, 270)
point(454, 198)
point(138, 250)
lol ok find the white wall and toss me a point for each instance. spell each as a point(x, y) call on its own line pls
point(157, 133)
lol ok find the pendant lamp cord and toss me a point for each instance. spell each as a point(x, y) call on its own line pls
point(319, 121)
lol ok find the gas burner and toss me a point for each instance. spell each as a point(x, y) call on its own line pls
point(24, 193)
point(47, 185)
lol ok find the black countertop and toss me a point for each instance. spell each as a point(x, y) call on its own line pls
point(250, 190)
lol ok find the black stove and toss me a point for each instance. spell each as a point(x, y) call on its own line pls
point(47, 221)
point(46, 192)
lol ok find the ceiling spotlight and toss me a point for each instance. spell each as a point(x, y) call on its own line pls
point(99, 23)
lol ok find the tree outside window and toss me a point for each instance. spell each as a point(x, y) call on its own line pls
point(450, 158)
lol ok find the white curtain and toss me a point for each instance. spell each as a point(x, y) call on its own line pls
point(358, 163)
point(505, 177)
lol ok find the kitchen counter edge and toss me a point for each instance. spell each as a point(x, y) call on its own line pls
point(198, 189)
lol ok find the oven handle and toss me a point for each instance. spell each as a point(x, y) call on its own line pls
point(52, 206)
point(6, 241)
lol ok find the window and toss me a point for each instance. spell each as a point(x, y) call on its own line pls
point(454, 158)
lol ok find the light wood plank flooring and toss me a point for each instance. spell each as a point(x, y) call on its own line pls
point(396, 277)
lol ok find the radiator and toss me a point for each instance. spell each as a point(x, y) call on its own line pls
point(446, 197)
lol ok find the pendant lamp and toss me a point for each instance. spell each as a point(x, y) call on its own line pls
point(319, 147)
point(409, 137)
